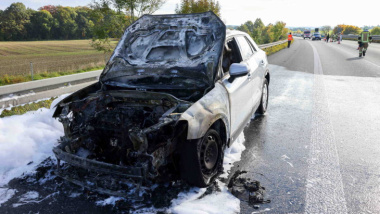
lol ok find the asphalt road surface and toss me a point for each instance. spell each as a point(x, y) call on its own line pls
point(317, 149)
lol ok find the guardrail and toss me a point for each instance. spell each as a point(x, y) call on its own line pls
point(26, 92)
point(374, 37)
point(21, 93)
point(263, 46)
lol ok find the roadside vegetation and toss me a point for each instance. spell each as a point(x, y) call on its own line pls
point(19, 110)
point(277, 48)
point(265, 34)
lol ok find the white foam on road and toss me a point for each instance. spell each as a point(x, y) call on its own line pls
point(25, 141)
point(29, 197)
point(6, 194)
point(324, 186)
point(218, 202)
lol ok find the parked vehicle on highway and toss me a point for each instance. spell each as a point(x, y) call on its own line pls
point(306, 34)
point(316, 36)
point(176, 92)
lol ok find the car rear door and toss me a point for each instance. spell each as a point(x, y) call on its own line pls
point(259, 75)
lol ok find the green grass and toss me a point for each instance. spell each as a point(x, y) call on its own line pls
point(274, 49)
point(19, 110)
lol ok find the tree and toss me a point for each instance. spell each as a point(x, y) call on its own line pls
point(258, 28)
point(137, 8)
point(66, 22)
point(279, 31)
point(346, 29)
point(14, 19)
point(268, 35)
point(326, 29)
point(1, 26)
point(255, 30)
point(107, 24)
point(83, 22)
point(41, 23)
point(244, 28)
point(51, 8)
point(198, 6)
point(375, 31)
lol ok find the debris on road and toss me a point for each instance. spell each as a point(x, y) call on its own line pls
point(247, 190)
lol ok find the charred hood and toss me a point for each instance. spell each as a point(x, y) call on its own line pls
point(165, 50)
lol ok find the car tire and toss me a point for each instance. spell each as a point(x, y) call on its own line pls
point(202, 160)
point(264, 98)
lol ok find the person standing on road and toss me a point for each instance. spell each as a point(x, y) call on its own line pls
point(363, 40)
point(327, 38)
point(340, 37)
point(290, 38)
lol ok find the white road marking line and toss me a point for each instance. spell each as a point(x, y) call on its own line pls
point(324, 186)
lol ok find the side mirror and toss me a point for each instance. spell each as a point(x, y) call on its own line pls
point(238, 70)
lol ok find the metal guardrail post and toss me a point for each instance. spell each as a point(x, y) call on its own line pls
point(31, 69)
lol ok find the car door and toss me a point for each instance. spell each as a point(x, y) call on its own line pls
point(256, 70)
point(261, 61)
point(241, 88)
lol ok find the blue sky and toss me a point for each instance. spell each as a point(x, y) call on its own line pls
point(293, 12)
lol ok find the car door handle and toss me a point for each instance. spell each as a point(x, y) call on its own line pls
point(249, 76)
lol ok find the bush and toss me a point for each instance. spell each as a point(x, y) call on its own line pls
point(18, 110)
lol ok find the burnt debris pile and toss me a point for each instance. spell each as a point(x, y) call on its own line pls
point(247, 190)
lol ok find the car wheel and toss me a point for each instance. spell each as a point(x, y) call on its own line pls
point(201, 161)
point(264, 98)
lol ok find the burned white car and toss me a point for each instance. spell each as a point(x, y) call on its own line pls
point(176, 92)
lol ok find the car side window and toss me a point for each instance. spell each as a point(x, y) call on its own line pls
point(245, 48)
point(250, 44)
point(231, 54)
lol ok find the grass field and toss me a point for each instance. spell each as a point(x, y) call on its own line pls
point(49, 58)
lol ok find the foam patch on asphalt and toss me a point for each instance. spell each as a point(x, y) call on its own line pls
point(109, 201)
point(6, 194)
point(25, 141)
point(218, 202)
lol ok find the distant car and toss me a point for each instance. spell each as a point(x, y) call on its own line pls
point(306, 34)
point(176, 92)
point(316, 36)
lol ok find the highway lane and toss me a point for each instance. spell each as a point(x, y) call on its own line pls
point(317, 150)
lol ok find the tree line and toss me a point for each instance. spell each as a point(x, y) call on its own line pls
point(265, 34)
point(103, 18)
point(49, 22)
point(341, 28)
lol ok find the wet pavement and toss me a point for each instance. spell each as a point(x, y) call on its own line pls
point(316, 150)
